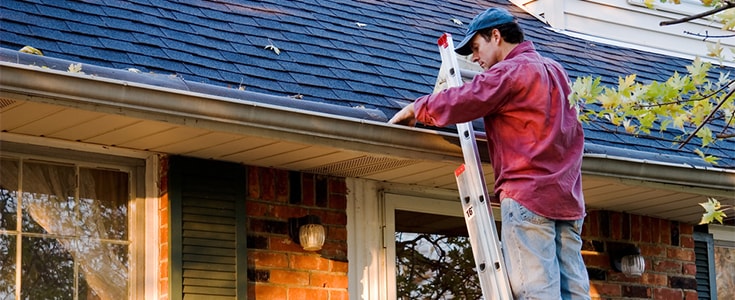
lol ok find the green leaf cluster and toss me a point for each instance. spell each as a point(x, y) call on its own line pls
point(682, 102)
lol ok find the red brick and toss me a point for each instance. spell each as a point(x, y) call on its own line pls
point(591, 227)
point(334, 218)
point(257, 209)
point(616, 225)
point(686, 229)
point(309, 262)
point(265, 291)
point(328, 280)
point(336, 233)
point(299, 278)
point(307, 293)
point(690, 295)
point(666, 293)
point(687, 241)
point(253, 182)
point(284, 244)
point(282, 211)
point(665, 233)
point(163, 288)
point(649, 250)
point(618, 277)
point(647, 232)
point(654, 279)
point(267, 184)
point(680, 254)
point(282, 186)
point(338, 202)
point(337, 186)
point(689, 269)
point(667, 266)
point(339, 266)
point(308, 192)
point(599, 289)
point(262, 259)
point(338, 295)
point(636, 228)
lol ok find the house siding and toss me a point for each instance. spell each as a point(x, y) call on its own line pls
point(667, 246)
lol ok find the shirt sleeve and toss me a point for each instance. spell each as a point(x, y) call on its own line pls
point(485, 94)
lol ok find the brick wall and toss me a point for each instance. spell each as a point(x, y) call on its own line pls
point(278, 268)
point(667, 246)
point(163, 220)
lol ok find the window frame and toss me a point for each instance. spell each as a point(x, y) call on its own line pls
point(136, 168)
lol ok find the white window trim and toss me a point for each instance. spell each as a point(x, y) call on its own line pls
point(371, 231)
point(395, 202)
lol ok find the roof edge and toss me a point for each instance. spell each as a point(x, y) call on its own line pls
point(263, 118)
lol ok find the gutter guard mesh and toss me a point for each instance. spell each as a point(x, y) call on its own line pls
point(360, 166)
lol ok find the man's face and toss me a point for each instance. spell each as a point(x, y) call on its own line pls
point(485, 52)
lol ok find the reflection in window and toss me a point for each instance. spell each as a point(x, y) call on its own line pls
point(69, 239)
point(434, 258)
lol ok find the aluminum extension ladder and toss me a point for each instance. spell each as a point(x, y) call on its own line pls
point(473, 191)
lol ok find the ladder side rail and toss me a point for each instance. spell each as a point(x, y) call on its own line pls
point(474, 196)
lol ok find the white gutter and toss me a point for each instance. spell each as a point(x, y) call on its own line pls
point(247, 117)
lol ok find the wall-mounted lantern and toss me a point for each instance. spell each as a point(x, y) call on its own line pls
point(627, 258)
point(308, 232)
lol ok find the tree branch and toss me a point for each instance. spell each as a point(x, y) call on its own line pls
point(728, 5)
point(706, 120)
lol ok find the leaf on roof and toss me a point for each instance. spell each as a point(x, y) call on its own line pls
point(273, 47)
point(75, 68)
point(297, 96)
point(457, 21)
point(360, 24)
point(133, 70)
point(31, 50)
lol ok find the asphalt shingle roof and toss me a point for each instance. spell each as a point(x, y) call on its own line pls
point(373, 54)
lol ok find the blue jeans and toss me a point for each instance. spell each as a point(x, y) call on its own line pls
point(543, 256)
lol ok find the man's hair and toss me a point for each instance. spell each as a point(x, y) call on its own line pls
point(510, 32)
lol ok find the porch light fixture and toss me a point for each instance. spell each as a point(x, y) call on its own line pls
point(308, 232)
point(628, 260)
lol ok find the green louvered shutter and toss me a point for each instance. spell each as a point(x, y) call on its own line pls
point(704, 259)
point(208, 249)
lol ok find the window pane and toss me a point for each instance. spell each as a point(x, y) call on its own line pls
point(48, 199)
point(103, 203)
point(105, 278)
point(8, 194)
point(7, 266)
point(47, 270)
point(434, 258)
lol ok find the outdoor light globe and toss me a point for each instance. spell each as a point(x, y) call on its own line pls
point(632, 265)
point(311, 237)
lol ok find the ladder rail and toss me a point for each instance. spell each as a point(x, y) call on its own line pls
point(478, 215)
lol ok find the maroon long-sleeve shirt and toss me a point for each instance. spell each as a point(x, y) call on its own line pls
point(534, 137)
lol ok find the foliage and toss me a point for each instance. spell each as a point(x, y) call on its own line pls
point(713, 211)
point(433, 266)
point(688, 103)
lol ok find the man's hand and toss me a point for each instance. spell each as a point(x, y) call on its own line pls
point(405, 116)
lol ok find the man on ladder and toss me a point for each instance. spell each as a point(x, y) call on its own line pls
point(535, 143)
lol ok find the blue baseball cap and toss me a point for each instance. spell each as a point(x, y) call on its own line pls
point(492, 17)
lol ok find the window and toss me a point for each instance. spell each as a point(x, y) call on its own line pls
point(65, 230)
point(430, 253)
